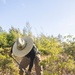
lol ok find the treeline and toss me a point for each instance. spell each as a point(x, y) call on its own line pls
point(59, 52)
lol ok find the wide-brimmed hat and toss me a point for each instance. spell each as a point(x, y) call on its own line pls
point(22, 46)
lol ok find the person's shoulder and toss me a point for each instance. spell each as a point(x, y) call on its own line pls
point(34, 45)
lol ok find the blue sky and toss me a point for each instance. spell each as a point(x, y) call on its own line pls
point(51, 17)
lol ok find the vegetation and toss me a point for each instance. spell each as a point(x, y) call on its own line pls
point(59, 52)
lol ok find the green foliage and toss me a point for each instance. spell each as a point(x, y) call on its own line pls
point(46, 73)
point(3, 39)
point(59, 52)
point(7, 66)
point(13, 35)
point(48, 45)
point(27, 30)
point(1, 30)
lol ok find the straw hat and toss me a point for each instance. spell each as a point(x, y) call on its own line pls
point(22, 46)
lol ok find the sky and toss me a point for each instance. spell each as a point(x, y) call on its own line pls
point(51, 17)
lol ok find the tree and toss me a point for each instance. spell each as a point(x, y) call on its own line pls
point(1, 30)
point(27, 30)
point(13, 35)
point(3, 39)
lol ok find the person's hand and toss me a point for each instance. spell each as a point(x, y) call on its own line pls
point(38, 57)
point(28, 73)
point(10, 54)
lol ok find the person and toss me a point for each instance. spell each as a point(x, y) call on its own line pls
point(24, 47)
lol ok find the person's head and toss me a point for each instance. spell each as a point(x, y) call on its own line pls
point(22, 46)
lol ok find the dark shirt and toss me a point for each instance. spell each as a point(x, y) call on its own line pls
point(30, 55)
